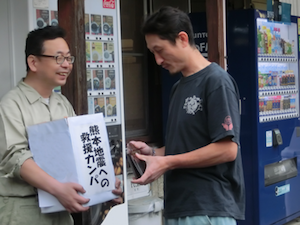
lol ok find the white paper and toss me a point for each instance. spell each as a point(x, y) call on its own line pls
point(40, 3)
point(52, 140)
point(47, 200)
point(58, 148)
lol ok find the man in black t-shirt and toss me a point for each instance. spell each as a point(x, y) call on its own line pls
point(201, 161)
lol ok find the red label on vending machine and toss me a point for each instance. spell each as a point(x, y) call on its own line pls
point(109, 4)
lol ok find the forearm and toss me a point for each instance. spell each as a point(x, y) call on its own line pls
point(210, 155)
point(37, 177)
point(66, 193)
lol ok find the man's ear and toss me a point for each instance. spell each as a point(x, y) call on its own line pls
point(32, 62)
point(183, 38)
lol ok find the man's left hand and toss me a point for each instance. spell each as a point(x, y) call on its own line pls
point(118, 191)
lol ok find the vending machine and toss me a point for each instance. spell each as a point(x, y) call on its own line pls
point(263, 59)
point(104, 86)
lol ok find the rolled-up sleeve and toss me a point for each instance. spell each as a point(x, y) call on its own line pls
point(14, 149)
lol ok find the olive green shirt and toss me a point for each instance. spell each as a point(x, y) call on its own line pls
point(21, 107)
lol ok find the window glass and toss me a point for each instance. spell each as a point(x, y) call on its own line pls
point(134, 75)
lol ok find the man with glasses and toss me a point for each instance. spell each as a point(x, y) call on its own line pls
point(49, 63)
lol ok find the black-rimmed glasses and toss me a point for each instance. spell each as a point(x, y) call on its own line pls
point(60, 59)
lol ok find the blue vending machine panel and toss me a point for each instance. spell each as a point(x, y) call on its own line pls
point(263, 59)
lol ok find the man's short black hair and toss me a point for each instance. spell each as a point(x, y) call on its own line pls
point(167, 23)
point(36, 38)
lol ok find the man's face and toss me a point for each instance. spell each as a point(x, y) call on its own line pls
point(166, 54)
point(49, 72)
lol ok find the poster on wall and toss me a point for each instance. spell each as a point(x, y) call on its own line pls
point(97, 52)
point(110, 82)
point(96, 24)
point(54, 18)
point(108, 25)
point(99, 106)
point(87, 23)
point(42, 18)
point(98, 80)
point(108, 52)
point(111, 108)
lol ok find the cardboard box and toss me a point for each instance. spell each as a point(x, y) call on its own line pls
point(75, 149)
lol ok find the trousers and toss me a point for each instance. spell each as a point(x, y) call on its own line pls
point(201, 220)
point(26, 211)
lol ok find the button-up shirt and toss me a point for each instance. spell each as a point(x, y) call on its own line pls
point(21, 107)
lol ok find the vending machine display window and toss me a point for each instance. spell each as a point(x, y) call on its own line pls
point(277, 71)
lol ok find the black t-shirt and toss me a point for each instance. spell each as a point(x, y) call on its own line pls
point(204, 108)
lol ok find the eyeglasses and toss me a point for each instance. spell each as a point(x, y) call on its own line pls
point(60, 59)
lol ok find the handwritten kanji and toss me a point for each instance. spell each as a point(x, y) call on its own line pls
point(96, 140)
point(94, 130)
point(87, 148)
point(100, 161)
point(85, 137)
point(99, 151)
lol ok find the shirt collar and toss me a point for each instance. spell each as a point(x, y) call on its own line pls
point(31, 94)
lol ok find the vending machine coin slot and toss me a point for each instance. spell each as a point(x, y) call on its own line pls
point(277, 139)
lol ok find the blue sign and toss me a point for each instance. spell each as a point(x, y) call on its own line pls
point(200, 32)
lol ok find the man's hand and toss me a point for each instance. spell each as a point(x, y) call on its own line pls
point(118, 191)
point(156, 166)
point(138, 147)
point(67, 194)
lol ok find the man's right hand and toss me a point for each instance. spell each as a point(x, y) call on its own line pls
point(67, 194)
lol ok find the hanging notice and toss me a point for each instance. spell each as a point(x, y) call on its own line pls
point(77, 150)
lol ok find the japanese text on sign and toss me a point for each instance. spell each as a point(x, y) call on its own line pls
point(94, 156)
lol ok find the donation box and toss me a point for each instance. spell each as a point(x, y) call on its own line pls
point(74, 149)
